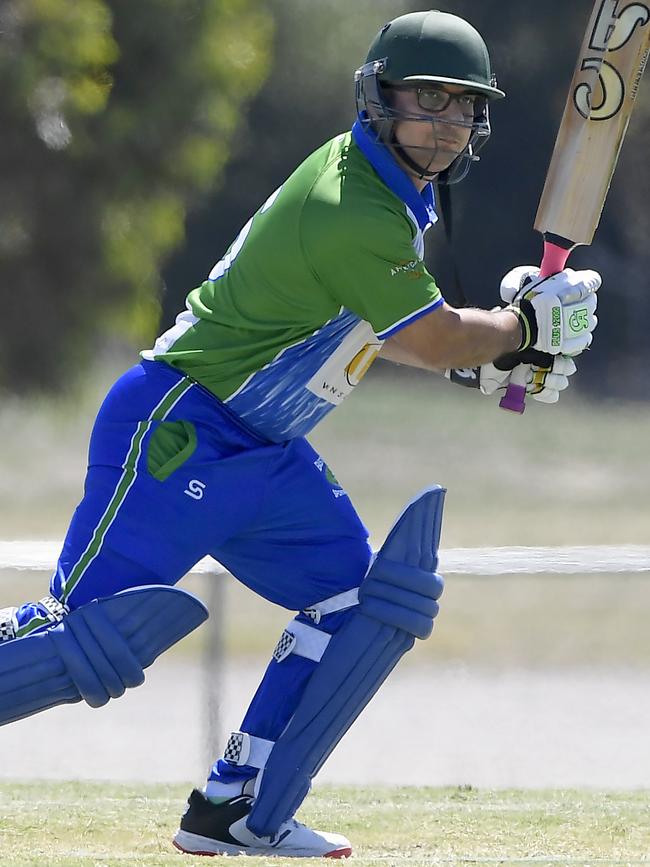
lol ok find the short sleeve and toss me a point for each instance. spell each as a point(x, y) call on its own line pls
point(368, 263)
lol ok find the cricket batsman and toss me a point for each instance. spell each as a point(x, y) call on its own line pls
point(200, 450)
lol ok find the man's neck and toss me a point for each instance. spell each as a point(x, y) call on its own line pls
point(418, 181)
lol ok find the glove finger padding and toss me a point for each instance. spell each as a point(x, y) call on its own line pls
point(492, 378)
point(562, 367)
point(515, 280)
point(578, 285)
point(546, 383)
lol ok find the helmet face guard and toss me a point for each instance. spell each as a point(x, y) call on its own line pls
point(376, 113)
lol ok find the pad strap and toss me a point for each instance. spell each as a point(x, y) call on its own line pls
point(303, 640)
point(347, 599)
point(245, 749)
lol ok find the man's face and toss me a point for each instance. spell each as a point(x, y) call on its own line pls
point(434, 145)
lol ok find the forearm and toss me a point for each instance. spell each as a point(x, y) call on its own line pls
point(481, 336)
point(460, 338)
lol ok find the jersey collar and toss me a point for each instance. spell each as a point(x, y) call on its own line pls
point(421, 204)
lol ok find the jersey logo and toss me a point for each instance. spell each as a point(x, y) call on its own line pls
point(358, 367)
point(411, 269)
point(195, 489)
point(347, 366)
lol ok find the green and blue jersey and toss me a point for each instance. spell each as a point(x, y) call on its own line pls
point(292, 317)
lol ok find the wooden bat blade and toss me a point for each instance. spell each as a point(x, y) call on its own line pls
point(604, 86)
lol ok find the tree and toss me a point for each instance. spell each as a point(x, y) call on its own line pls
point(117, 117)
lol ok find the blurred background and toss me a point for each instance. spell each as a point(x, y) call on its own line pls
point(135, 140)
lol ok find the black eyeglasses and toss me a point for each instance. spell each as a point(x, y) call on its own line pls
point(435, 100)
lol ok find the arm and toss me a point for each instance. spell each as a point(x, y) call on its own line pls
point(554, 315)
point(447, 338)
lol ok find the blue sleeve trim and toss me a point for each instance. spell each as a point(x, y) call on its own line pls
point(397, 326)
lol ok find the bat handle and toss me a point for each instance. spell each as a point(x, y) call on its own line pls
point(554, 260)
point(515, 397)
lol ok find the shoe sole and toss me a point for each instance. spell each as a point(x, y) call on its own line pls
point(193, 844)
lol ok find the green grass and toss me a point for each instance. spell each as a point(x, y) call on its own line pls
point(69, 824)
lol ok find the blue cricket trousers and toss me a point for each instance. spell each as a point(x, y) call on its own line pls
point(270, 513)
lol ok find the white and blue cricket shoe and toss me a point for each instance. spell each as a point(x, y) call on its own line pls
point(220, 829)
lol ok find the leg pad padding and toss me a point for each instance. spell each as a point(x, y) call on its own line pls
point(96, 652)
point(397, 603)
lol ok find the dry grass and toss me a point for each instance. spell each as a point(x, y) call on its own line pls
point(73, 824)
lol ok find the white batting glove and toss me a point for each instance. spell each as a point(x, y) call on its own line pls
point(557, 313)
point(545, 381)
point(487, 377)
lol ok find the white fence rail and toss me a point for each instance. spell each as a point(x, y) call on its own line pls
point(42, 556)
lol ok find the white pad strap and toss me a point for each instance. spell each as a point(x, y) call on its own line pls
point(245, 749)
point(303, 640)
point(347, 599)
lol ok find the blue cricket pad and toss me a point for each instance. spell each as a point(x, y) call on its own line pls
point(397, 604)
point(95, 652)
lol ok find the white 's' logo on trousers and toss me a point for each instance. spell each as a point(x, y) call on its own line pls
point(195, 489)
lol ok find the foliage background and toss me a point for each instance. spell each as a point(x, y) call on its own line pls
point(118, 117)
point(138, 137)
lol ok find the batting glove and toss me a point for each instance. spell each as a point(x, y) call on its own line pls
point(547, 375)
point(546, 378)
point(557, 313)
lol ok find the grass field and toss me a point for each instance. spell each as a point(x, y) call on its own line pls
point(70, 824)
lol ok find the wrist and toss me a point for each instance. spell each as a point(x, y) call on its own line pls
point(522, 335)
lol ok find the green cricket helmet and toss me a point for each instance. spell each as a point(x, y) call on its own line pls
point(423, 50)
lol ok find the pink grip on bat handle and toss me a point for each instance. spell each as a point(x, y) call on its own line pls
point(554, 259)
point(514, 399)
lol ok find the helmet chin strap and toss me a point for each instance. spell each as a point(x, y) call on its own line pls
point(421, 172)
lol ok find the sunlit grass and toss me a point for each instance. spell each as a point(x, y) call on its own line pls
point(69, 824)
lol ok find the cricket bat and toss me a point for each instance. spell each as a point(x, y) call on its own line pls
point(610, 65)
